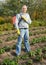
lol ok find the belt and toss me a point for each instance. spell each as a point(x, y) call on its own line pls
point(23, 28)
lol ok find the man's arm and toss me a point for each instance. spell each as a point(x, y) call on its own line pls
point(16, 24)
point(17, 21)
point(27, 19)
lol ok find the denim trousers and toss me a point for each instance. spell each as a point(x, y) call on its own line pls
point(24, 33)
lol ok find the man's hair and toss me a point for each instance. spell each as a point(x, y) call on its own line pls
point(24, 5)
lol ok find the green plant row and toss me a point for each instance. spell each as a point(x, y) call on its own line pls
point(8, 61)
point(38, 40)
point(30, 33)
point(6, 49)
point(37, 55)
point(37, 32)
point(37, 28)
point(2, 50)
point(6, 27)
point(37, 23)
point(11, 38)
point(9, 26)
point(7, 32)
point(34, 40)
point(38, 51)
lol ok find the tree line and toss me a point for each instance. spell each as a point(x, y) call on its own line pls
point(36, 8)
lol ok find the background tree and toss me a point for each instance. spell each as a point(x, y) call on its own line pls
point(36, 8)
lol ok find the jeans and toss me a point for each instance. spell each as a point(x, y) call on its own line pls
point(24, 33)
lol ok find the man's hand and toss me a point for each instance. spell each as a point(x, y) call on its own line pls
point(18, 32)
point(24, 18)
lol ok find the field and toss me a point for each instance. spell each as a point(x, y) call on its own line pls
point(37, 32)
point(37, 56)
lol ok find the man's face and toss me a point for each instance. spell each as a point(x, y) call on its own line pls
point(24, 9)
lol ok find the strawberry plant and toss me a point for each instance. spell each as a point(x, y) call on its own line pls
point(29, 62)
point(30, 33)
point(14, 37)
point(44, 55)
point(38, 51)
point(25, 56)
point(1, 28)
point(0, 41)
point(16, 58)
point(32, 54)
point(14, 46)
point(2, 50)
point(44, 49)
point(33, 41)
point(38, 58)
point(37, 32)
point(7, 61)
point(7, 48)
point(0, 33)
point(11, 38)
point(37, 40)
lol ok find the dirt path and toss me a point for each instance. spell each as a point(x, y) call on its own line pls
point(11, 53)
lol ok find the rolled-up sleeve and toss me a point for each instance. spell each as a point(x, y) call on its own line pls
point(17, 21)
point(29, 21)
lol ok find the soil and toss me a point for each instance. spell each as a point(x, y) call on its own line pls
point(11, 53)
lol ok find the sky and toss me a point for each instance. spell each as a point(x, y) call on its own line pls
point(2, 0)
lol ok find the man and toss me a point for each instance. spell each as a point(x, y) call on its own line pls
point(23, 20)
